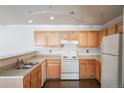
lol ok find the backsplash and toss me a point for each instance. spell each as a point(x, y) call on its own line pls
point(58, 51)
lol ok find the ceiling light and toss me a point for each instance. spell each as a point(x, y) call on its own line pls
point(30, 21)
point(52, 18)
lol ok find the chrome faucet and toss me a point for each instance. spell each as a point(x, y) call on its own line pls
point(19, 61)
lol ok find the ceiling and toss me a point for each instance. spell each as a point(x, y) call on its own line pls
point(88, 14)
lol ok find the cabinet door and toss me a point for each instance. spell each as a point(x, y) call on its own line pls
point(111, 31)
point(64, 35)
point(39, 76)
point(120, 28)
point(34, 79)
point(83, 69)
point(26, 81)
point(72, 35)
point(99, 38)
point(98, 71)
point(92, 39)
point(53, 69)
point(83, 39)
point(54, 39)
point(104, 33)
point(91, 68)
point(41, 38)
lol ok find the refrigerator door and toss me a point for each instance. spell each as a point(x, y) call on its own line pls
point(110, 71)
point(110, 44)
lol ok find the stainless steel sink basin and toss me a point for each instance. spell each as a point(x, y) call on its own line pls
point(25, 67)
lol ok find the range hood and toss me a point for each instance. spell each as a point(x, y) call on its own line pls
point(69, 42)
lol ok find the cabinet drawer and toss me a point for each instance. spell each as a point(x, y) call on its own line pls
point(53, 61)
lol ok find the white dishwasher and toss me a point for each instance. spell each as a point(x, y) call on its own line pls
point(43, 72)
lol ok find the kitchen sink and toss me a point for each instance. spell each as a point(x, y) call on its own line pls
point(27, 65)
point(24, 67)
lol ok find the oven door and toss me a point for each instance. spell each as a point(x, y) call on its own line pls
point(70, 66)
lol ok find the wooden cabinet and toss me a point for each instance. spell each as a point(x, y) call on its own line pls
point(119, 28)
point(83, 69)
point(41, 38)
point(87, 68)
point(99, 38)
point(92, 39)
point(98, 71)
point(68, 35)
point(104, 33)
point(39, 76)
point(111, 31)
point(64, 35)
point(53, 69)
point(83, 39)
point(26, 81)
point(91, 68)
point(34, 79)
point(72, 35)
point(54, 39)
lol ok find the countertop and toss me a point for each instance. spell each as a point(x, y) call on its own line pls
point(12, 73)
point(20, 73)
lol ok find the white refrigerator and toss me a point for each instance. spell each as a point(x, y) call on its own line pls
point(111, 61)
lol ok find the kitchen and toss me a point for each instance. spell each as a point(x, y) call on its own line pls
point(48, 47)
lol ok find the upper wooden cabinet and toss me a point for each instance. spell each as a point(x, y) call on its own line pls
point(92, 39)
point(68, 35)
point(41, 38)
point(72, 35)
point(64, 36)
point(99, 38)
point(119, 28)
point(83, 38)
point(54, 39)
point(111, 30)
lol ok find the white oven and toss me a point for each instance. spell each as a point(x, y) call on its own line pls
point(70, 69)
point(69, 60)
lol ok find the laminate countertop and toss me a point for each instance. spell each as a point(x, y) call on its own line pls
point(20, 73)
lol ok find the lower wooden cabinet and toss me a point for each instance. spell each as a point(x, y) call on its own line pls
point(90, 69)
point(98, 71)
point(39, 76)
point(33, 79)
point(26, 81)
point(53, 69)
point(83, 69)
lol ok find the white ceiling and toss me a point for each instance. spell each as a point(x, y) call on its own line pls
point(90, 15)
